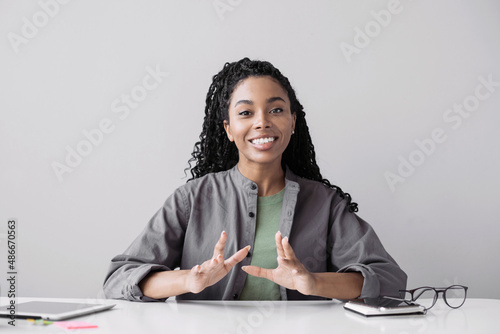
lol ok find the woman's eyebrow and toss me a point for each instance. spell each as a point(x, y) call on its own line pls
point(276, 98)
point(250, 102)
point(243, 102)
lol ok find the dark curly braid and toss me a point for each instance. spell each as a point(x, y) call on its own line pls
point(214, 152)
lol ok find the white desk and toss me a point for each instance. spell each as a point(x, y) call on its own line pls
point(235, 317)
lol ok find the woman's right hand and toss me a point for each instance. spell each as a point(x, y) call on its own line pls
point(214, 269)
point(164, 284)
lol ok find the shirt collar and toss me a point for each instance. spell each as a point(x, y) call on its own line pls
point(241, 180)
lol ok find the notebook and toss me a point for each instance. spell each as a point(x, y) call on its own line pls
point(368, 310)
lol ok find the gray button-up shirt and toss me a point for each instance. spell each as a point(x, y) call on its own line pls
point(325, 236)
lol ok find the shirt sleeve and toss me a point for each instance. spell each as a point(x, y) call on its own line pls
point(157, 248)
point(356, 248)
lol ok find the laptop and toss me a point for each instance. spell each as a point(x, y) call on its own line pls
point(53, 311)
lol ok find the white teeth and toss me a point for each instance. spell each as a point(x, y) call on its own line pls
point(262, 140)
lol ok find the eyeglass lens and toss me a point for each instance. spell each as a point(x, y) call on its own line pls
point(455, 296)
point(425, 296)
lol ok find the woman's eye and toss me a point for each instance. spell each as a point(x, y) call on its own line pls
point(276, 110)
point(244, 113)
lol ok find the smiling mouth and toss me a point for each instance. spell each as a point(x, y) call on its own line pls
point(260, 141)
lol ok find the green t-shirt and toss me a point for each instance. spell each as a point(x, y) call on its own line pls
point(264, 249)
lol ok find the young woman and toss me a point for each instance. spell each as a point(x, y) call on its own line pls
point(280, 230)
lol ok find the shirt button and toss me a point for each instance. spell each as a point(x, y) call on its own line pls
point(251, 214)
point(235, 296)
point(253, 186)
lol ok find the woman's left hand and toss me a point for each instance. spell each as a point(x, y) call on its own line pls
point(290, 272)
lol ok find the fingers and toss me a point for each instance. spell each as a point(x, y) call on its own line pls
point(219, 246)
point(209, 264)
point(219, 249)
point(213, 270)
point(237, 257)
point(258, 272)
point(279, 246)
point(217, 259)
point(283, 247)
point(288, 250)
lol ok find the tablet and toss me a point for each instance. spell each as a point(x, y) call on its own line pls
point(52, 310)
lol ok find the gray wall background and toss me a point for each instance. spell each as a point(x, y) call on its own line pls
point(396, 94)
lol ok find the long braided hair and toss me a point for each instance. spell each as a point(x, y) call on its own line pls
point(214, 152)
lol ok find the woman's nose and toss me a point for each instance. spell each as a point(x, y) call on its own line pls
point(262, 120)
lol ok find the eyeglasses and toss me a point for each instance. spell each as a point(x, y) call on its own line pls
point(454, 296)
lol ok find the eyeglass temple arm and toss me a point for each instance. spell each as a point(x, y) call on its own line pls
point(409, 302)
point(393, 298)
point(398, 299)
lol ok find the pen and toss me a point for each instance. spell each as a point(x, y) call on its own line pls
point(40, 322)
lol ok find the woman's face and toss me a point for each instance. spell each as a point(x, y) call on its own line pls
point(260, 121)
